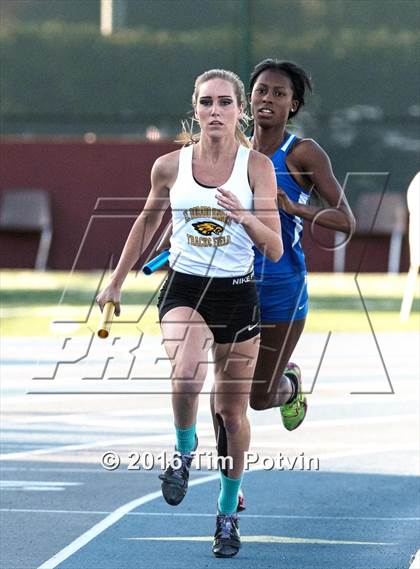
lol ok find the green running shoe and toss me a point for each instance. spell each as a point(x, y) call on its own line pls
point(293, 413)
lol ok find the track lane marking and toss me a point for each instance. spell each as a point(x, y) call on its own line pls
point(169, 436)
point(197, 514)
point(110, 520)
point(263, 539)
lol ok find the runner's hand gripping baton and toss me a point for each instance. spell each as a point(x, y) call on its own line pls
point(148, 269)
point(106, 320)
point(156, 263)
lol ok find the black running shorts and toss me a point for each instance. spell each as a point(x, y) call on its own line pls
point(229, 306)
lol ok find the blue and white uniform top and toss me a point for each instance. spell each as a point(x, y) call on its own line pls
point(293, 258)
point(205, 241)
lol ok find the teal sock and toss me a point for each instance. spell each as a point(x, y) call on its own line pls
point(228, 497)
point(185, 439)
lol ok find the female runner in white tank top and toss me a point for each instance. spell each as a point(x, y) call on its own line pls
point(223, 201)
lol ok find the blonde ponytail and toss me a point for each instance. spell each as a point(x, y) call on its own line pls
point(242, 138)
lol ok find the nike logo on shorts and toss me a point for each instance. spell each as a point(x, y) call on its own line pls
point(252, 327)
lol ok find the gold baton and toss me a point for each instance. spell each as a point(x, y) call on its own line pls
point(106, 320)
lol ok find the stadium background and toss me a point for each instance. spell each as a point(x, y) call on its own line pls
point(77, 106)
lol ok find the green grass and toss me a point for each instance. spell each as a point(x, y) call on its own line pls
point(32, 302)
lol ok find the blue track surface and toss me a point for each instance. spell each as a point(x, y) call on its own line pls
point(61, 508)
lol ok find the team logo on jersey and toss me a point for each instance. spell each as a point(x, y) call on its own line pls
point(208, 228)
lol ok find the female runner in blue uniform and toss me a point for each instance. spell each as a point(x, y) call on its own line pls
point(301, 166)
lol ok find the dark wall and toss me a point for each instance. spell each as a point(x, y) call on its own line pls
point(96, 192)
point(77, 175)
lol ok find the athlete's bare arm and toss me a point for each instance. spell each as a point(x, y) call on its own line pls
point(315, 169)
point(263, 182)
point(163, 176)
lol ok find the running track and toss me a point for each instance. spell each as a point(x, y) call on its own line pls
point(61, 508)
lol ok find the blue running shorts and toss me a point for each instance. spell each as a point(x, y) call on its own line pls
point(283, 298)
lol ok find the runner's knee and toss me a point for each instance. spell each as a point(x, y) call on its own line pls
point(233, 419)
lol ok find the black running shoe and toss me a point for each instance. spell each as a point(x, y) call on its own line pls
point(227, 541)
point(175, 480)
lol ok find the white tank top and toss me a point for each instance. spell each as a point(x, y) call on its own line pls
point(204, 240)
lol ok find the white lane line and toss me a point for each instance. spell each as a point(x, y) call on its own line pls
point(80, 424)
point(65, 422)
point(150, 439)
point(377, 449)
point(110, 520)
point(192, 514)
point(133, 440)
point(324, 399)
point(95, 444)
point(352, 421)
point(304, 447)
point(66, 448)
point(35, 485)
point(415, 564)
point(134, 413)
point(34, 489)
point(37, 511)
point(262, 539)
point(355, 390)
point(356, 421)
point(316, 401)
point(95, 469)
